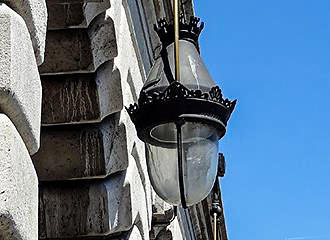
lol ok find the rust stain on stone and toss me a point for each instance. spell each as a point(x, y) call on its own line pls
point(91, 152)
point(69, 98)
point(64, 211)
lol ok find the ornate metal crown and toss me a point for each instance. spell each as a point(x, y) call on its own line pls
point(156, 107)
point(176, 91)
point(188, 31)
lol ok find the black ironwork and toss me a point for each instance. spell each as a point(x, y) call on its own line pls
point(179, 125)
point(187, 31)
point(167, 68)
point(165, 30)
point(216, 213)
point(216, 210)
point(221, 165)
point(176, 101)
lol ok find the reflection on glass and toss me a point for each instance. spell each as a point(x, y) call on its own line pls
point(200, 161)
point(193, 72)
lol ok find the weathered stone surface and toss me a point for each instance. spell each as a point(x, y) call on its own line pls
point(20, 87)
point(171, 232)
point(161, 211)
point(67, 51)
point(98, 207)
point(138, 153)
point(61, 16)
point(175, 230)
point(134, 234)
point(132, 81)
point(80, 50)
point(131, 69)
point(72, 1)
point(92, 9)
point(151, 19)
point(163, 219)
point(84, 151)
point(34, 12)
point(132, 74)
point(74, 15)
point(18, 186)
point(81, 98)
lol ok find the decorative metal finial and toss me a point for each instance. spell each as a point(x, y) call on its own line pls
point(188, 31)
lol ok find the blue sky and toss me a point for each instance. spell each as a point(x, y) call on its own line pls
point(274, 57)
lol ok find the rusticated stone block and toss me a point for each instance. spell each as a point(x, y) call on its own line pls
point(18, 186)
point(61, 16)
point(81, 98)
point(34, 12)
point(127, 61)
point(74, 15)
point(93, 9)
point(67, 51)
point(134, 234)
point(20, 87)
point(171, 232)
point(82, 151)
point(72, 1)
point(162, 211)
point(80, 50)
point(94, 208)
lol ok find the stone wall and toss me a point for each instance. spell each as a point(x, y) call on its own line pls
point(91, 165)
point(22, 42)
point(91, 58)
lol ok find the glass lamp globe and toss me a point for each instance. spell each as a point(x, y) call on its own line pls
point(193, 72)
point(200, 162)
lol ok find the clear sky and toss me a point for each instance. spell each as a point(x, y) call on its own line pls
point(274, 57)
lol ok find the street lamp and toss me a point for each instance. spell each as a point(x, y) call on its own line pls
point(181, 115)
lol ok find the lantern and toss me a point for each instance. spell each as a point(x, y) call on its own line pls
point(181, 121)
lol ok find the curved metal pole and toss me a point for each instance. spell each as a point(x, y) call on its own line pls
point(176, 40)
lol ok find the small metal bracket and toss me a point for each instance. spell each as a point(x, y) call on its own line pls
point(221, 165)
point(216, 209)
point(216, 213)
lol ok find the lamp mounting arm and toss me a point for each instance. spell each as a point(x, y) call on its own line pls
point(176, 40)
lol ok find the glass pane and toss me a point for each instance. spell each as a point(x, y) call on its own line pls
point(200, 165)
point(165, 133)
point(193, 71)
point(200, 162)
point(163, 172)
